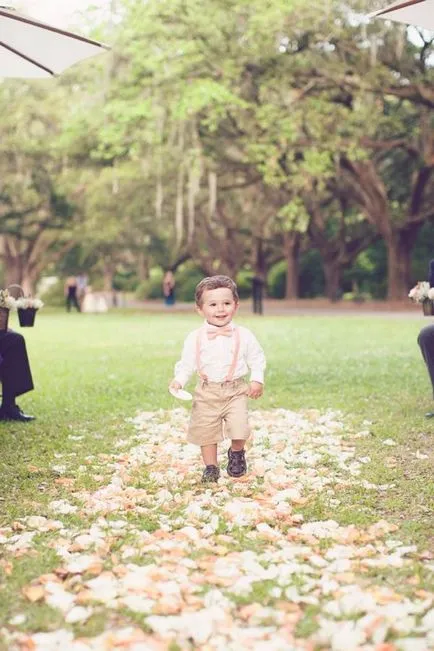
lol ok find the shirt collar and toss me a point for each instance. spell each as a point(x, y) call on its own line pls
point(214, 327)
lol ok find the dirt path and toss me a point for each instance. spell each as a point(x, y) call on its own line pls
point(300, 307)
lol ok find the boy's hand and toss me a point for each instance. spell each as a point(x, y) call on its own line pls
point(256, 389)
point(175, 385)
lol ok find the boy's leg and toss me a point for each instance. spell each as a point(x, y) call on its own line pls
point(209, 454)
point(237, 429)
point(205, 428)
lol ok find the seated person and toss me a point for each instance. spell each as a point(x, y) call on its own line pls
point(426, 344)
point(15, 375)
point(426, 340)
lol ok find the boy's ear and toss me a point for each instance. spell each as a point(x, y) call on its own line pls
point(198, 309)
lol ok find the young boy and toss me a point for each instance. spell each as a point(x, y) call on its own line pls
point(221, 353)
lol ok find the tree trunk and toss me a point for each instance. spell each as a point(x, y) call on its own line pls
point(399, 249)
point(142, 267)
point(17, 272)
point(332, 274)
point(13, 271)
point(108, 275)
point(259, 263)
point(291, 248)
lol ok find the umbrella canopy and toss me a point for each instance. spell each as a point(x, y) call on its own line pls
point(29, 48)
point(411, 12)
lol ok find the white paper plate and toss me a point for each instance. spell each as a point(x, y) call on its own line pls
point(181, 394)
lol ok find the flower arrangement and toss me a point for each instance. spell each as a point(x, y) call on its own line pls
point(6, 300)
point(421, 292)
point(24, 303)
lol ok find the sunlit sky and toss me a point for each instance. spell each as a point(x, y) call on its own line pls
point(61, 13)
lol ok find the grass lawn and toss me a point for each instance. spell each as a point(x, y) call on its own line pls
point(91, 372)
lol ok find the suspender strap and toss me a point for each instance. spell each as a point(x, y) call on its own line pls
point(233, 366)
point(198, 342)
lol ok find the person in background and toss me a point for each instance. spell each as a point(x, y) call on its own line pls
point(169, 287)
point(426, 341)
point(222, 354)
point(257, 294)
point(82, 281)
point(15, 375)
point(71, 293)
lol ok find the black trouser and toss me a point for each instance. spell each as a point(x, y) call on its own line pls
point(257, 300)
point(15, 373)
point(426, 343)
point(72, 298)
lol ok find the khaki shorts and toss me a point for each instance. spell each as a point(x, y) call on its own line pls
point(219, 410)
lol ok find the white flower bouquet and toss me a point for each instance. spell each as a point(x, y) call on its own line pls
point(24, 303)
point(421, 292)
point(6, 300)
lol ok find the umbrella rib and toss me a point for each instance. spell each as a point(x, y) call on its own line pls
point(23, 56)
point(403, 5)
point(56, 30)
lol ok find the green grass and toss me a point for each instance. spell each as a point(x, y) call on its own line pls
point(93, 371)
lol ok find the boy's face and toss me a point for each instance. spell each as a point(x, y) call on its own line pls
point(218, 306)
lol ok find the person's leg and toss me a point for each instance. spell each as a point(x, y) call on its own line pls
point(15, 375)
point(209, 454)
point(260, 309)
point(205, 427)
point(237, 430)
point(426, 344)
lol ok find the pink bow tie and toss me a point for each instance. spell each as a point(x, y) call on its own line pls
point(225, 331)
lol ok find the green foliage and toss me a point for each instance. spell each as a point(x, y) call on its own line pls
point(125, 280)
point(55, 295)
point(423, 253)
point(244, 283)
point(311, 275)
point(187, 277)
point(276, 280)
point(294, 216)
point(151, 288)
point(272, 97)
point(369, 272)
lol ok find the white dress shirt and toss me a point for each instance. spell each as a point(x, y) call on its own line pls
point(216, 356)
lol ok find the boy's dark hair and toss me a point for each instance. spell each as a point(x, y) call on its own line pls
point(215, 282)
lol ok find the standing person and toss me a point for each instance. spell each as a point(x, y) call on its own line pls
point(15, 375)
point(169, 287)
point(257, 291)
point(221, 353)
point(426, 341)
point(71, 293)
point(82, 281)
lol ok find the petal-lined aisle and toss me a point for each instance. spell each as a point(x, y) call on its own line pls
point(172, 564)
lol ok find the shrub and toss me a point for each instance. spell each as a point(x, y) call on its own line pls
point(276, 280)
point(244, 283)
point(186, 278)
point(55, 295)
point(151, 288)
